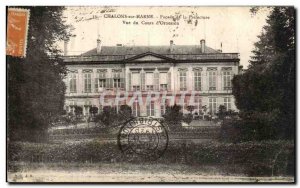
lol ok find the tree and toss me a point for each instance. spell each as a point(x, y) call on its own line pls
point(173, 117)
point(35, 83)
point(125, 113)
point(268, 86)
point(107, 117)
point(222, 112)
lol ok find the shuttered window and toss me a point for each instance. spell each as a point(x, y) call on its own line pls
point(87, 83)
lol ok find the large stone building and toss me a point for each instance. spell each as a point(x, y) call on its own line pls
point(172, 70)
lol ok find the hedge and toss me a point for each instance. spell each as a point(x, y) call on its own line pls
point(265, 158)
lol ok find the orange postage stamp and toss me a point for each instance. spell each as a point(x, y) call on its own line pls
point(17, 29)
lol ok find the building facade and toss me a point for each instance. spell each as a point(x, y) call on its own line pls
point(187, 75)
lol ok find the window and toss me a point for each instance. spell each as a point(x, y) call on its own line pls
point(117, 83)
point(198, 104)
point(163, 87)
point(149, 81)
point(213, 105)
point(72, 106)
point(100, 81)
point(87, 83)
point(72, 83)
point(136, 81)
point(212, 76)
point(227, 103)
point(182, 80)
point(87, 106)
point(136, 109)
point(117, 80)
point(163, 81)
point(150, 109)
point(197, 80)
point(227, 80)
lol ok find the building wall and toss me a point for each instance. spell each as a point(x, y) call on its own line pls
point(87, 99)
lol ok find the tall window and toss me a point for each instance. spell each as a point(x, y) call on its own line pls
point(150, 109)
point(87, 83)
point(117, 80)
point(197, 80)
point(182, 80)
point(136, 81)
point(136, 109)
point(212, 76)
point(198, 104)
point(227, 103)
point(87, 106)
point(227, 80)
point(100, 81)
point(163, 81)
point(213, 105)
point(72, 83)
point(149, 81)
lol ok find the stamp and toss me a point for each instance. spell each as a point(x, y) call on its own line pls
point(17, 29)
point(143, 137)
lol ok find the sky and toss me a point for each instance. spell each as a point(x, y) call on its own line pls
point(233, 27)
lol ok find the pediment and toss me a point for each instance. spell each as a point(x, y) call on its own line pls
point(148, 57)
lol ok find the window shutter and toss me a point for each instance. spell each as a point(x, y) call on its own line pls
point(156, 81)
point(122, 83)
point(143, 81)
point(129, 81)
point(169, 81)
point(111, 82)
point(96, 83)
point(107, 83)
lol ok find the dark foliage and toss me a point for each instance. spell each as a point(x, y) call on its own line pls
point(173, 117)
point(266, 91)
point(35, 83)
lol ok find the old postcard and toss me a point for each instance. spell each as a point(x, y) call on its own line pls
point(150, 94)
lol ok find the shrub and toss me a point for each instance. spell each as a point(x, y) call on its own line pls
point(187, 118)
point(251, 126)
point(173, 117)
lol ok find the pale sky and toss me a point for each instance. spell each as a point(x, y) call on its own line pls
point(235, 27)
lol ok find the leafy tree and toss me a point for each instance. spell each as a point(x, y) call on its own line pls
point(222, 112)
point(35, 83)
point(125, 112)
point(107, 116)
point(173, 117)
point(187, 118)
point(268, 86)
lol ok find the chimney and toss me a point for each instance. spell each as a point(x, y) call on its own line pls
point(171, 46)
point(202, 44)
point(98, 46)
point(65, 48)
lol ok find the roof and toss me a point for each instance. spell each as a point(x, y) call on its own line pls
point(126, 50)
